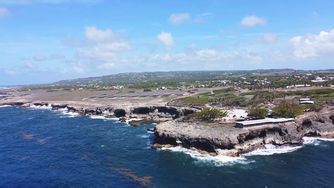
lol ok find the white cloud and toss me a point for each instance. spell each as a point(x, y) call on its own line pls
point(4, 11)
point(100, 49)
point(314, 45)
point(203, 56)
point(269, 38)
point(103, 45)
point(251, 21)
point(94, 34)
point(10, 71)
point(179, 18)
point(166, 39)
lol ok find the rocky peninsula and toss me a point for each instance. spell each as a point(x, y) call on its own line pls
point(173, 128)
point(228, 140)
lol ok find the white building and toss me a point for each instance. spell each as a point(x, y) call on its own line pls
point(318, 79)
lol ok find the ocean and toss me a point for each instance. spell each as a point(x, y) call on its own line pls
point(43, 148)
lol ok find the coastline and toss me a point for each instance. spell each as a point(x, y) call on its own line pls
point(207, 140)
point(172, 129)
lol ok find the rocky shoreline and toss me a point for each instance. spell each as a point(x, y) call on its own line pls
point(213, 138)
point(135, 116)
point(231, 141)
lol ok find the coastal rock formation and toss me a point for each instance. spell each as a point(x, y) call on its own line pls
point(58, 106)
point(163, 111)
point(14, 103)
point(119, 113)
point(317, 124)
point(40, 103)
point(232, 141)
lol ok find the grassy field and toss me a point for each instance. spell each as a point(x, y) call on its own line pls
point(229, 97)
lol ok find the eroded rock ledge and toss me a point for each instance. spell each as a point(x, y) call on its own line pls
point(134, 116)
point(231, 141)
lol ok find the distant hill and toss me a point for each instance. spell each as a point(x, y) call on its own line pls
point(179, 76)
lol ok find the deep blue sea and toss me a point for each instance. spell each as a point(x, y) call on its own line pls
point(42, 148)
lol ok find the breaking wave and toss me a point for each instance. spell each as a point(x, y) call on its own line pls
point(218, 160)
point(41, 107)
point(316, 140)
point(267, 150)
point(66, 113)
point(5, 106)
point(102, 117)
point(270, 149)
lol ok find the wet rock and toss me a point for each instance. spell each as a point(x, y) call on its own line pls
point(40, 104)
point(142, 110)
point(58, 106)
point(71, 109)
point(15, 103)
point(119, 112)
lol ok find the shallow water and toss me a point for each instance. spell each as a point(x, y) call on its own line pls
point(41, 148)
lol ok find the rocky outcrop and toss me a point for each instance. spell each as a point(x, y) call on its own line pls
point(162, 113)
point(215, 137)
point(142, 110)
point(14, 103)
point(317, 124)
point(119, 113)
point(40, 103)
point(234, 141)
point(58, 106)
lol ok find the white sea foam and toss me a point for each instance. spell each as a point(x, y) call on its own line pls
point(144, 136)
point(65, 112)
point(316, 140)
point(41, 107)
point(70, 114)
point(133, 119)
point(270, 149)
point(219, 160)
point(4, 106)
point(326, 139)
point(103, 118)
point(311, 141)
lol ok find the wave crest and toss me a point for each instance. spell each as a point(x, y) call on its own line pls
point(218, 160)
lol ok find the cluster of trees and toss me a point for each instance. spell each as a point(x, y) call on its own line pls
point(285, 110)
point(258, 112)
point(209, 114)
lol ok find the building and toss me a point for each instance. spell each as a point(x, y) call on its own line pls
point(305, 101)
point(265, 121)
point(318, 80)
point(298, 86)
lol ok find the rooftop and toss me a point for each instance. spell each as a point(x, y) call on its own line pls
point(264, 121)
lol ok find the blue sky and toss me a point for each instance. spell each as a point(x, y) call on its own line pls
point(48, 40)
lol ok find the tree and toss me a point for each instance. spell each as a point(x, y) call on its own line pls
point(258, 112)
point(287, 110)
point(209, 115)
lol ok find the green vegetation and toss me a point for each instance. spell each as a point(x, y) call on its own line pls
point(194, 100)
point(232, 100)
point(229, 97)
point(312, 107)
point(287, 110)
point(209, 115)
point(258, 112)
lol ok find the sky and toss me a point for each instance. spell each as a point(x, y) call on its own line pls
point(43, 41)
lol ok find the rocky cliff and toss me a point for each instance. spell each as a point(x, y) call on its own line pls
point(232, 141)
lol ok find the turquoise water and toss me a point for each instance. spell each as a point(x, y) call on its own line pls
point(41, 148)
